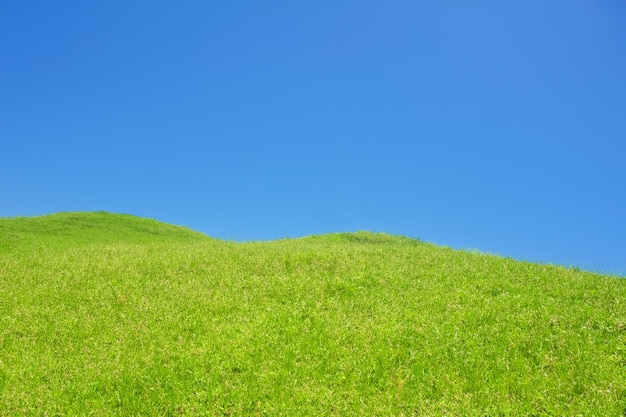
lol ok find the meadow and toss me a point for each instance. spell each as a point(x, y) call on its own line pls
point(105, 314)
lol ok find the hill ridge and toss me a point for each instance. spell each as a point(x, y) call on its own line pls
point(75, 228)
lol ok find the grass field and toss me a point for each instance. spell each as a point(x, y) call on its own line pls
point(104, 314)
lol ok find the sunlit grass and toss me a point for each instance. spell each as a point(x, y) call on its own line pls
point(115, 315)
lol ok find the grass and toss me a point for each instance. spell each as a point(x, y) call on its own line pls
point(104, 314)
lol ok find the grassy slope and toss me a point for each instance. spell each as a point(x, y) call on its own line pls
point(116, 315)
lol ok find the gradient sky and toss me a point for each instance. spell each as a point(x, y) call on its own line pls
point(492, 125)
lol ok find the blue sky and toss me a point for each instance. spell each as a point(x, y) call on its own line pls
point(493, 125)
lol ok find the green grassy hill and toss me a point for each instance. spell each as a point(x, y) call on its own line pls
point(104, 314)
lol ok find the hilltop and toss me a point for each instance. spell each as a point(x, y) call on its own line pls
point(108, 314)
point(84, 228)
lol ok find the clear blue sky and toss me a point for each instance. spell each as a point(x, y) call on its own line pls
point(493, 125)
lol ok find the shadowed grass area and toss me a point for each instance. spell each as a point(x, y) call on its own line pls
point(104, 314)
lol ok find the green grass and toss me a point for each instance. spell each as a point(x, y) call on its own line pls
point(104, 314)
